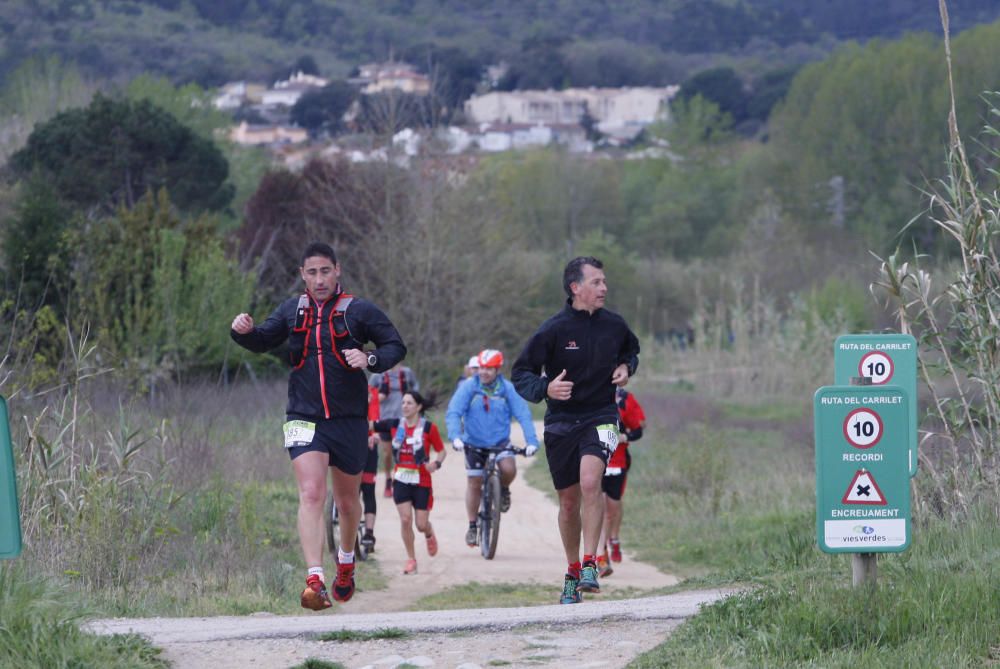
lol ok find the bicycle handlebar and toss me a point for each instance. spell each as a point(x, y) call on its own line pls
point(516, 450)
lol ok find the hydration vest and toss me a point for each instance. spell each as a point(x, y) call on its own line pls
point(422, 428)
point(305, 320)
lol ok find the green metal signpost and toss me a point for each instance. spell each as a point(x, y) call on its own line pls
point(887, 359)
point(10, 516)
point(862, 468)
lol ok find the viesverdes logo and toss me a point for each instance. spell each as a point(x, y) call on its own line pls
point(571, 346)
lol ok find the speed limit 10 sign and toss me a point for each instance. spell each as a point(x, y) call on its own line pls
point(886, 359)
point(862, 479)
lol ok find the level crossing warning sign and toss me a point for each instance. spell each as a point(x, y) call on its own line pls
point(863, 490)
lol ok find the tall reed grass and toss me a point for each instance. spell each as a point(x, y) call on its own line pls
point(956, 315)
point(177, 503)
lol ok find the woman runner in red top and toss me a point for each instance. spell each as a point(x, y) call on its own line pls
point(413, 439)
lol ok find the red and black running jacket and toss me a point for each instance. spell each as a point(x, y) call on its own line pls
point(321, 385)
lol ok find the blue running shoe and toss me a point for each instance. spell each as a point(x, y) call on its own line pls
point(570, 593)
point(588, 579)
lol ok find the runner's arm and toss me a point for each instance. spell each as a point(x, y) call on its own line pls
point(457, 405)
point(434, 437)
point(522, 414)
point(628, 355)
point(371, 324)
point(527, 371)
point(269, 334)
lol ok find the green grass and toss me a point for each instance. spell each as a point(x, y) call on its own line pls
point(39, 629)
point(735, 506)
point(315, 663)
point(353, 635)
point(499, 595)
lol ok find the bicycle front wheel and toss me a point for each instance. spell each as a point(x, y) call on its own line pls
point(330, 522)
point(360, 552)
point(491, 517)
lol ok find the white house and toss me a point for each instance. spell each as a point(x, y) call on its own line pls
point(608, 106)
point(286, 93)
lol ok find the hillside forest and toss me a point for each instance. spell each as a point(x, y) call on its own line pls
point(124, 213)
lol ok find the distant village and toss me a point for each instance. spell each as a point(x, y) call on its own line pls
point(578, 119)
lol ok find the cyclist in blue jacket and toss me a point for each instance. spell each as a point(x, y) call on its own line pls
point(480, 414)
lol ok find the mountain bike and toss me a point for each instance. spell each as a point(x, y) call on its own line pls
point(489, 503)
point(331, 520)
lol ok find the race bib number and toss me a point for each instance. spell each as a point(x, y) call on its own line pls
point(299, 433)
point(608, 434)
point(411, 476)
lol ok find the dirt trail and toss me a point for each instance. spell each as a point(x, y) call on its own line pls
point(529, 551)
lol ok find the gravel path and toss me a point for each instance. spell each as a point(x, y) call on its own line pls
point(529, 552)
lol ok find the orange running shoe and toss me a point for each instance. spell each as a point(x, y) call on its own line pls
point(432, 544)
point(411, 567)
point(315, 596)
point(603, 566)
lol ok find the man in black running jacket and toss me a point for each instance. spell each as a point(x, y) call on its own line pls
point(326, 425)
point(575, 361)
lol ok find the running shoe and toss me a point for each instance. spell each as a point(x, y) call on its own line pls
point(504, 500)
point(472, 537)
point(368, 541)
point(603, 566)
point(570, 593)
point(588, 579)
point(315, 596)
point(343, 587)
point(411, 567)
point(432, 544)
point(616, 550)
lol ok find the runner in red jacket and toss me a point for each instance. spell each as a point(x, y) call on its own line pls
point(413, 440)
point(632, 420)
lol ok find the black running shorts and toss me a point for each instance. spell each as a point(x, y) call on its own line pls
point(421, 497)
point(345, 440)
point(568, 441)
point(613, 485)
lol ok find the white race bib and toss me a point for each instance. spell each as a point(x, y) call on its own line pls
point(608, 434)
point(299, 433)
point(613, 471)
point(405, 475)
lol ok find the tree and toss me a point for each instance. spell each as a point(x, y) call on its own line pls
point(113, 151)
point(538, 65)
point(33, 242)
point(388, 112)
point(323, 110)
point(35, 92)
point(720, 85)
point(153, 285)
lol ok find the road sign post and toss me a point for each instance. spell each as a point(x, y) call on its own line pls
point(10, 515)
point(887, 359)
point(862, 472)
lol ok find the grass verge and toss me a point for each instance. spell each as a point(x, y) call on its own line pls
point(733, 504)
point(352, 635)
point(39, 628)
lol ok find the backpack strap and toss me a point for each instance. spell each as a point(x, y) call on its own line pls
point(423, 427)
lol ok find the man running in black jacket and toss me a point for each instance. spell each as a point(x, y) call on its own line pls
point(574, 361)
point(327, 413)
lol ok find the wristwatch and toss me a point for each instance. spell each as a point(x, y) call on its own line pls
point(372, 359)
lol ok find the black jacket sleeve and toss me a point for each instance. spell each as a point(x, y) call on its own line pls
point(368, 323)
point(526, 375)
point(629, 353)
point(269, 334)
